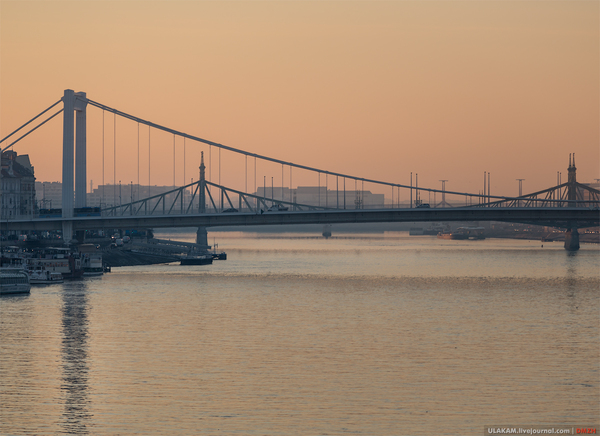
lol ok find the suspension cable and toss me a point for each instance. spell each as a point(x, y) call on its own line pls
point(32, 130)
point(37, 116)
point(255, 155)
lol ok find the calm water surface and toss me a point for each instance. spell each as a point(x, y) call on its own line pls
point(384, 335)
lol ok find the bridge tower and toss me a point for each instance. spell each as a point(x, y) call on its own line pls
point(572, 234)
point(68, 163)
point(80, 149)
point(202, 185)
point(201, 233)
point(73, 191)
point(572, 181)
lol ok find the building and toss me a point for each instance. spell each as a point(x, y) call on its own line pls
point(17, 187)
point(321, 196)
point(105, 196)
point(49, 194)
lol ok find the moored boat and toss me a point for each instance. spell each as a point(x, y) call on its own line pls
point(463, 233)
point(197, 260)
point(39, 277)
point(55, 259)
point(14, 281)
point(91, 260)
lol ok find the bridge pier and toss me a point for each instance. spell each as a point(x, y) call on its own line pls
point(67, 232)
point(572, 239)
point(202, 237)
point(80, 236)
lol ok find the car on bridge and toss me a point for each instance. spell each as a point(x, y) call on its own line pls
point(230, 210)
point(277, 208)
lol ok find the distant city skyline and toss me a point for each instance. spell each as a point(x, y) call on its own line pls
point(446, 90)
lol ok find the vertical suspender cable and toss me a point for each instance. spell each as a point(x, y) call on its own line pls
point(319, 188)
point(138, 156)
point(337, 192)
point(362, 196)
point(114, 159)
point(103, 186)
point(173, 161)
point(149, 194)
point(326, 193)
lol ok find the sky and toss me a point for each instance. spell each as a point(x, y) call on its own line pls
point(375, 89)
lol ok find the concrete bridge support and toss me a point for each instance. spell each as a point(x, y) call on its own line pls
point(68, 163)
point(572, 239)
point(202, 236)
point(80, 150)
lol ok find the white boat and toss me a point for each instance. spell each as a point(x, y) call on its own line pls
point(91, 260)
point(14, 281)
point(59, 260)
point(41, 277)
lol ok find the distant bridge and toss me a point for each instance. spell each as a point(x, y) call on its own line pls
point(569, 205)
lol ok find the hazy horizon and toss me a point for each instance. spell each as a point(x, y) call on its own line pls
point(377, 90)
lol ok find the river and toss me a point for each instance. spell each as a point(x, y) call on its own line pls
point(383, 334)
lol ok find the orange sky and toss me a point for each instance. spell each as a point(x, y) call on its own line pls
point(374, 89)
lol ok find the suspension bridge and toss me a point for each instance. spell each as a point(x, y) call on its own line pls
point(204, 203)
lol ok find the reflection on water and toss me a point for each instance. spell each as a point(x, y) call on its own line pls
point(76, 415)
point(295, 337)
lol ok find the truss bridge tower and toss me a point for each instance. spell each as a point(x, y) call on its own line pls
point(572, 192)
point(572, 235)
point(201, 233)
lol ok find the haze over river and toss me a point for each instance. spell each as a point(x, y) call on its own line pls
point(359, 334)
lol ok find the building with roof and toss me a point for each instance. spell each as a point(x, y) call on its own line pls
point(17, 186)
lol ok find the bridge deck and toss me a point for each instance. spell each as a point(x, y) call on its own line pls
point(557, 217)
